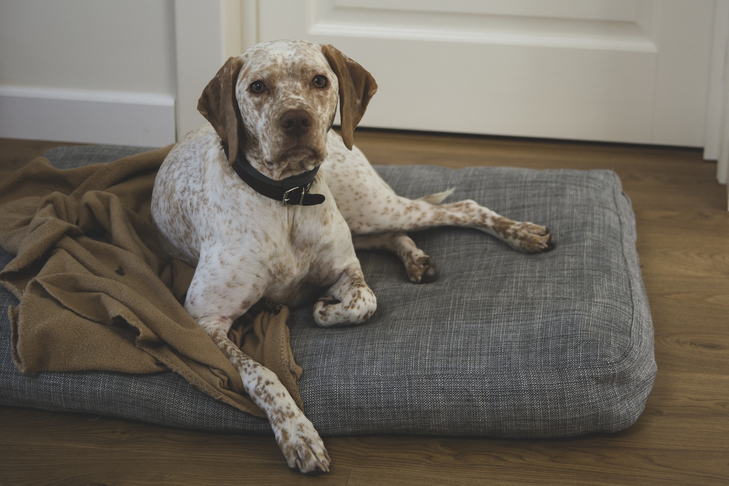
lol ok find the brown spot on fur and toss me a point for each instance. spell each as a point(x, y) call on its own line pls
point(502, 226)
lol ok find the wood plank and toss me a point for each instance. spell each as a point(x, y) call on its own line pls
point(679, 300)
point(85, 449)
point(709, 260)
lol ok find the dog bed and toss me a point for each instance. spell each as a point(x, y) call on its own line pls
point(503, 344)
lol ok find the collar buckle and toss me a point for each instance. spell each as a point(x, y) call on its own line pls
point(291, 193)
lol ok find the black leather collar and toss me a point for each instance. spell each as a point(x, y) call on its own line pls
point(291, 191)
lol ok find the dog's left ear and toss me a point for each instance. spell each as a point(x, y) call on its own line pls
point(219, 106)
point(356, 88)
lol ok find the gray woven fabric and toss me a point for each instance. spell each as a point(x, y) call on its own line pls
point(502, 344)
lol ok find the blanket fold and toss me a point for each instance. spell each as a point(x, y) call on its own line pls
point(97, 292)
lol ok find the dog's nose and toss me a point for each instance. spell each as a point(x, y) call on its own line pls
point(296, 122)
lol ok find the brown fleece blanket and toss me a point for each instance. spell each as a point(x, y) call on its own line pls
point(97, 292)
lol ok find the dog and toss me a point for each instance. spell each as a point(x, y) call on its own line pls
point(267, 201)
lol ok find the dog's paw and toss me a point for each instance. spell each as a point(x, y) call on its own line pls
point(356, 308)
point(422, 270)
point(530, 238)
point(301, 445)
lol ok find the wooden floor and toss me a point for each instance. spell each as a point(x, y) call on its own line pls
point(682, 437)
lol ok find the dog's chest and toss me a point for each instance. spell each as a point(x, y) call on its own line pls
point(301, 252)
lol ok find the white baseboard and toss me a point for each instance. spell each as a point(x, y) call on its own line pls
point(83, 116)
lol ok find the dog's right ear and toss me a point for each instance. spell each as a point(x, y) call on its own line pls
point(219, 106)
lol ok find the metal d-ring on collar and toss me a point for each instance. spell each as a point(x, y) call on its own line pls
point(291, 191)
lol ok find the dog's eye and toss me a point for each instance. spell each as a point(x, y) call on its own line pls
point(319, 81)
point(257, 87)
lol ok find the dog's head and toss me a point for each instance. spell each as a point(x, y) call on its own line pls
point(277, 101)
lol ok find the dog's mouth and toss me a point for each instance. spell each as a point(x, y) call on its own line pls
point(294, 161)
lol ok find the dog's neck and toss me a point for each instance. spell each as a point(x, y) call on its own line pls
point(290, 191)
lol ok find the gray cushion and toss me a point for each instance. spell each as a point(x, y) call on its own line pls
point(502, 344)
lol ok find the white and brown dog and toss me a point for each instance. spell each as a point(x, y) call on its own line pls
point(267, 201)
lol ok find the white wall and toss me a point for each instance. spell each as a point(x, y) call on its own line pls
point(206, 34)
point(98, 71)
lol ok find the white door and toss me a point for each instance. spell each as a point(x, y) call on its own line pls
point(608, 70)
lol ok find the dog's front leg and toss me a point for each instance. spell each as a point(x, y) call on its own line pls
point(348, 301)
point(215, 299)
point(295, 434)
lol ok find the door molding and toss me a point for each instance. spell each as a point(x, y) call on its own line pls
point(206, 34)
point(716, 145)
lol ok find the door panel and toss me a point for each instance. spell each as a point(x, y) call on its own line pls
point(609, 70)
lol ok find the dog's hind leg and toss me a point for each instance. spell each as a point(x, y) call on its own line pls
point(396, 213)
point(369, 205)
point(419, 266)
